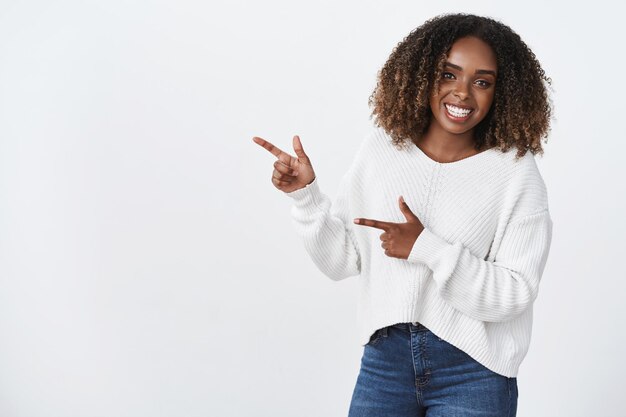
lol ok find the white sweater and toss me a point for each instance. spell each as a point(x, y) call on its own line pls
point(473, 273)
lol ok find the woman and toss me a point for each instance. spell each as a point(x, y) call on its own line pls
point(444, 215)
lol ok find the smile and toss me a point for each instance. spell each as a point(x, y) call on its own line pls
point(457, 113)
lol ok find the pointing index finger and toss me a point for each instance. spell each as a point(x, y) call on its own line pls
point(274, 150)
point(378, 224)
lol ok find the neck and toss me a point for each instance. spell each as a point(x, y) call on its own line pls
point(444, 146)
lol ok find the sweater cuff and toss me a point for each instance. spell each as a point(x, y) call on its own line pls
point(427, 248)
point(307, 198)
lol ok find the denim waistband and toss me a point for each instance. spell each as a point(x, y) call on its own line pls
point(415, 326)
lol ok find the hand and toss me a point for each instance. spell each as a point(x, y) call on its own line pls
point(290, 173)
point(398, 238)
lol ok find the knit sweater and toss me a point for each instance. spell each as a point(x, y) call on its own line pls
point(473, 273)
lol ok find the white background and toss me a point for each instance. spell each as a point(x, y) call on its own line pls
point(148, 267)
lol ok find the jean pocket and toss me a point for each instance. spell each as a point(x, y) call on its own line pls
point(377, 336)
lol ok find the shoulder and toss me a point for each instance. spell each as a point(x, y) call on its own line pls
point(526, 187)
point(375, 141)
point(375, 138)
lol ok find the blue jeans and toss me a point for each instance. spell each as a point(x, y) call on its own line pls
point(406, 370)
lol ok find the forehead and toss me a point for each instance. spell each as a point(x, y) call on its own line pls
point(472, 53)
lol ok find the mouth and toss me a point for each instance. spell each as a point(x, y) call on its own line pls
point(457, 113)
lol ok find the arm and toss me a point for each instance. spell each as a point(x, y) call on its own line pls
point(326, 229)
point(490, 291)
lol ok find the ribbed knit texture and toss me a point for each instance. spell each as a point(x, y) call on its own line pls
point(473, 273)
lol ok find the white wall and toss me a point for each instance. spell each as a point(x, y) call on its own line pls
point(148, 267)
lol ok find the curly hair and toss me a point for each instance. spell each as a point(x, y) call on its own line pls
point(521, 110)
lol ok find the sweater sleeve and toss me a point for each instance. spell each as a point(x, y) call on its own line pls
point(484, 290)
point(326, 229)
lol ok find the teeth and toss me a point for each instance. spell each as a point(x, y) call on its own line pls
point(457, 111)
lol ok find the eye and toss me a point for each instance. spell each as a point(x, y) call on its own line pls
point(447, 75)
point(483, 83)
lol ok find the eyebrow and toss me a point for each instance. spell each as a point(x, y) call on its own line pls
point(479, 71)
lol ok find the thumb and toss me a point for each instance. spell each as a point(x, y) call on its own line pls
point(297, 147)
point(404, 208)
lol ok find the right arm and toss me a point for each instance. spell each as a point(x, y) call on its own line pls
point(326, 229)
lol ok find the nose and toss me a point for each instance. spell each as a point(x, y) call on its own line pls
point(461, 91)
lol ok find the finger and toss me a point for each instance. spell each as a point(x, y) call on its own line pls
point(406, 210)
point(280, 183)
point(299, 150)
point(287, 159)
point(384, 236)
point(373, 223)
point(284, 169)
point(282, 177)
point(274, 150)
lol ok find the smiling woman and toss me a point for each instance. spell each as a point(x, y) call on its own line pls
point(445, 308)
point(457, 59)
point(464, 98)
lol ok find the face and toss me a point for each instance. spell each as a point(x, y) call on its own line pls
point(467, 86)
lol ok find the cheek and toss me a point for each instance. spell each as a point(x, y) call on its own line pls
point(436, 97)
point(486, 101)
point(444, 88)
point(433, 102)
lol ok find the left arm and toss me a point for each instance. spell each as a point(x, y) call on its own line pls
point(490, 291)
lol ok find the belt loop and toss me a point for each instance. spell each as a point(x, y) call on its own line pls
point(384, 331)
point(418, 325)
